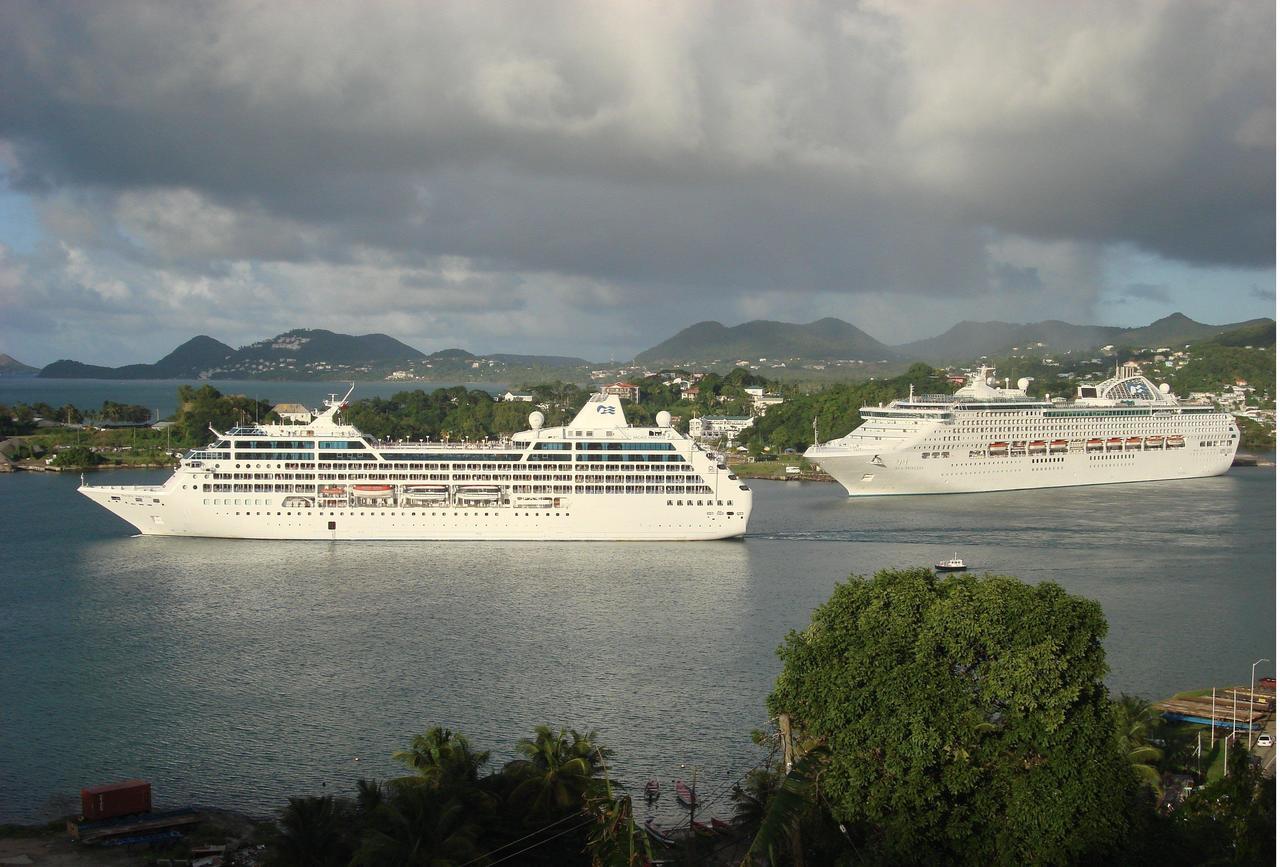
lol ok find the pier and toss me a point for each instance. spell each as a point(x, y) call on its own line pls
point(1232, 707)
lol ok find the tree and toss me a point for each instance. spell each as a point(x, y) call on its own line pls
point(417, 826)
point(559, 770)
point(964, 718)
point(443, 759)
point(312, 832)
point(1136, 721)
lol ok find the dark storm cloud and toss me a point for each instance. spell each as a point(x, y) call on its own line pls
point(1147, 292)
point(587, 157)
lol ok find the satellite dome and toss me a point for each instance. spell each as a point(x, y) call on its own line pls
point(1164, 388)
point(536, 419)
point(663, 419)
point(1023, 383)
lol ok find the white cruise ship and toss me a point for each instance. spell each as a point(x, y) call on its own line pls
point(986, 438)
point(596, 478)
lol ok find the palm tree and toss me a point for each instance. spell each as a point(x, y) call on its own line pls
point(1136, 719)
point(442, 759)
point(313, 832)
point(559, 770)
point(751, 798)
point(419, 826)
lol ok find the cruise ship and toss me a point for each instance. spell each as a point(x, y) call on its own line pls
point(988, 438)
point(596, 478)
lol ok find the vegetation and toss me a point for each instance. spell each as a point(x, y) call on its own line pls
point(552, 806)
point(961, 719)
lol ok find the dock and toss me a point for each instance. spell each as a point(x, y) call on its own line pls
point(139, 825)
point(1250, 710)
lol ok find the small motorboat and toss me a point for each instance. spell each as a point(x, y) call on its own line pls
point(659, 834)
point(955, 564)
point(651, 790)
point(721, 827)
point(685, 795)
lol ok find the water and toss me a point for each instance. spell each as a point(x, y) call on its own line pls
point(162, 394)
point(238, 673)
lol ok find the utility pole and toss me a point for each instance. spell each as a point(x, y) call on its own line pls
point(784, 728)
point(1253, 671)
point(1213, 717)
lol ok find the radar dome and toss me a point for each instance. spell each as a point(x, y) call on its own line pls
point(1023, 383)
point(1164, 388)
point(536, 419)
point(663, 419)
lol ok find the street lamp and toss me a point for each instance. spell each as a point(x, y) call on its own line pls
point(1252, 681)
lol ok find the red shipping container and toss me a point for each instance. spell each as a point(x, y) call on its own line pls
point(116, 799)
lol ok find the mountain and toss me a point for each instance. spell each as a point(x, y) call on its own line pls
point(10, 366)
point(538, 360)
point(825, 339)
point(1179, 330)
point(966, 341)
point(193, 358)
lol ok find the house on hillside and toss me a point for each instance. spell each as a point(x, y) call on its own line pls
point(292, 413)
point(713, 427)
point(624, 390)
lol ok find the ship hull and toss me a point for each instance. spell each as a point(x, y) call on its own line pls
point(170, 511)
point(867, 474)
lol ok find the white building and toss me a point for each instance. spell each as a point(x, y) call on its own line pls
point(624, 390)
point(512, 397)
point(761, 400)
point(713, 427)
point(292, 413)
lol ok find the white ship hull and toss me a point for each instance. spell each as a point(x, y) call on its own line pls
point(596, 479)
point(162, 511)
point(908, 473)
point(984, 438)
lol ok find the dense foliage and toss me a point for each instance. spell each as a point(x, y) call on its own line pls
point(790, 425)
point(964, 719)
point(1212, 366)
point(552, 806)
point(198, 408)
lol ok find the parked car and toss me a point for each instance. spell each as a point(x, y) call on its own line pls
point(1266, 740)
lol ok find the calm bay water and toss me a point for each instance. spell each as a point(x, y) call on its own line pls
point(238, 673)
point(162, 394)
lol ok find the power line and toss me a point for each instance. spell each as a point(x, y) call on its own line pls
point(525, 837)
point(569, 830)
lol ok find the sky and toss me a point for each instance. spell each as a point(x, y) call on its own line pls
point(588, 178)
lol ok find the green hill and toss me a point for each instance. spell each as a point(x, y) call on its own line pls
point(824, 339)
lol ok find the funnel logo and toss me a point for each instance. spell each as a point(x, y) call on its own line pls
point(604, 409)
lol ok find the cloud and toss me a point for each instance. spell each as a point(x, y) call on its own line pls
point(1147, 292)
point(1263, 294)
point(630, 166)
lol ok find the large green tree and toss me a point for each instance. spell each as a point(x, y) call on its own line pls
point(964, 719)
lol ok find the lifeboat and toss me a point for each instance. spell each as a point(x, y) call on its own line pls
point(425, 493)
point(478, 494)
point(1133, 443)
point(1093, 445)
point(371, 492)
point(1115, 444)
point(1037, 447)
point(1058, 446)
point(998, 448)
point(1155, 442)
point(1174, 442)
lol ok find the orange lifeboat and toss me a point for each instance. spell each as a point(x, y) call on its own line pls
point(1115, 444)
point(1093, 445)
point(998, 448)
point(1058, 446)
point(1133, 443)
point(1174, 442)
point(1155, 442)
